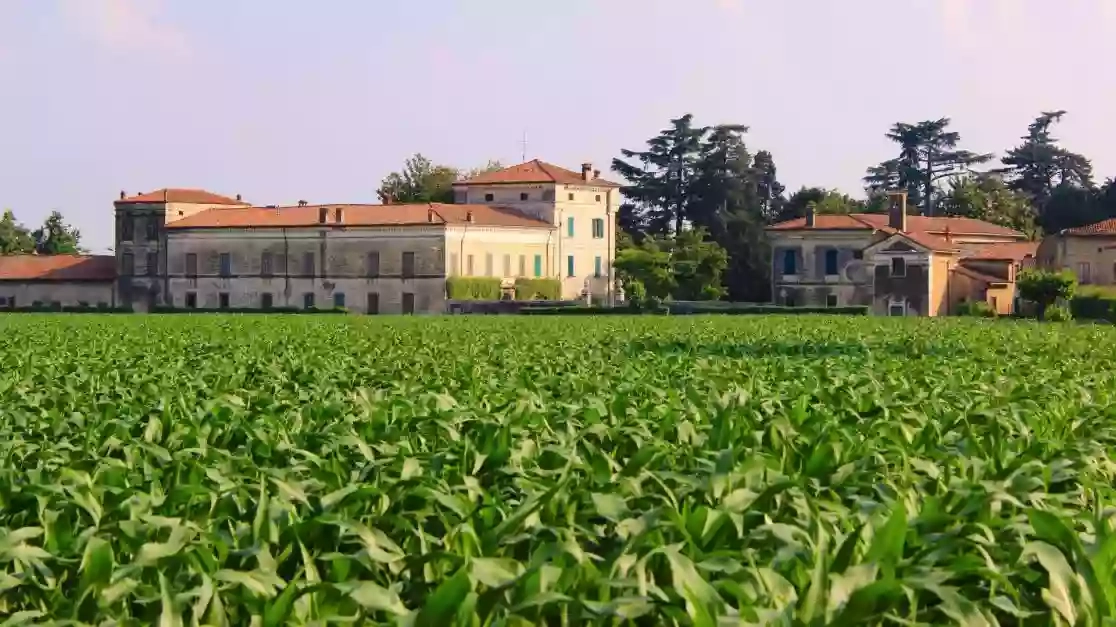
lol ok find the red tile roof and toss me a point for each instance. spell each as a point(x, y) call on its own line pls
point(1104, 227)
point(186, 196)
point(980, 276)
point(534, 172)
point(57, 268)
point(1013, 251)
point(935, 225)
point(358, 215)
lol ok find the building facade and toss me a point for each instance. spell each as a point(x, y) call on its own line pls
point(1088, 251)
point(894, 263)
point(189, 248)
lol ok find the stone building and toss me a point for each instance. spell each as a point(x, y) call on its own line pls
point(896, 264)
point(1088, 251)
point(195, 249)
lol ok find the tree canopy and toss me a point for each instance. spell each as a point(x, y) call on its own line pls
point(422, 180)
point(54, 237)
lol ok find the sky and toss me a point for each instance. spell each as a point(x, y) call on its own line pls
point(282, 100)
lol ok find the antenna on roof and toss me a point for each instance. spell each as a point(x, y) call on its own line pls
point(523, 145)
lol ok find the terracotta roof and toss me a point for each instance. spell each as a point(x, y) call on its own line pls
point(358, 215)
point(1014, 251)
point(534, 172)
point(935, 225)
point(1104, 227)
point(980, 276)
point(57, 268)
point(933, 242)
point(188, 196)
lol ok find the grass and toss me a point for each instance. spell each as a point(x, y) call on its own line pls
point(520, 471)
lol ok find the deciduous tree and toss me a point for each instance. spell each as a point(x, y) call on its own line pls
point(1044, 288)
point(987, 198)
point(55, 237)
point(15, 239)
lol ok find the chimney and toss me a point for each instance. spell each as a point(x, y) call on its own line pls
point(338, 215)
point(596, 174)
point(239, 198)
point(302, 203)
point(587, 171)
point(811, 214)
point(123, 195)
point(429, 215)
point(469, 217)
point(323, 215)
point(897, 210)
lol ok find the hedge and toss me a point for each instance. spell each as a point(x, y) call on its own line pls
point(473, 288)
point(728, 311)
point(1093, 307)
point(538, 289)
point(66, 309)
point(247, 310)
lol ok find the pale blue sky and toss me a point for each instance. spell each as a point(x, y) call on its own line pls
point(281, 100)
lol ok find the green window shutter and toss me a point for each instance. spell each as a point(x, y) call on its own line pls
point(569, 265)
point(597, 266)
point(569, 227)
point(538, 265)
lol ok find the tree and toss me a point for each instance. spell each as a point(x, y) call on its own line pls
point(768, 188)
point(1044, 288)
point(55, 237)
point(1051, 176)
point(644, 270)
point(697, 265)
point(824, 201)
point(987, 198)
point(420, 181)
point(661, 179)
point(928, 154)
point(15, 239)
point(491, 166)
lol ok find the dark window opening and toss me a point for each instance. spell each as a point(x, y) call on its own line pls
point(191, 265)
point(338, 299)
point(191, 300)
point(266, 301)
point(226, 265)
point(373, 264)
point(152, 227)
point(266, 265)
point(523, 196)
point(830, 300)
point(790, 262)
point(128, 263)
point(489, 198)
point(409, 265)
point(223, 300)
point(830, 262)
point(127, 228)
point(373, 303)
point(408, 303)
point(152, 264)
point(898, 267)
point(858, 254)
point(308, 300)
point(308, 264)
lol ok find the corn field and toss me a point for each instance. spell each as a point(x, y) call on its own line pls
point(810, 470)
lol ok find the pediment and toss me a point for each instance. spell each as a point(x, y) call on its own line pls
point(900, 246)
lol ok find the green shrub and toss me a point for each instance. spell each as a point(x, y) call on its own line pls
point(50, 308)
point(695, 310)
point(164, 309)
point(473, 288)
point(538, 289)
point(1058, 313)
point(1094, 306)
point(976, 308)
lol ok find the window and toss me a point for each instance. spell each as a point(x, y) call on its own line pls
point(308, 264)
point(538, 265)
point(266, 269)
point(488, 264)
point(569, 227)
point(858, 254)
point(453, 269)
point(598, 198)
point(266, 300)
point(191, 300)
point(468, 265)
point(127, 228)
point(373, 306)
point(898, 267)
point(790, 262)
point(339, 299)
point(523, 196)
point(128, 264)
point(226, 265)
point(830, 262)
point(522, 265)
point(598, 228)
point(409, 265)
point(790, 300)
point(897, 308)
point(152, 228)
point(408, 303)
point(569, 265)
point(223, 300)
point(308, 300)
point(995, 304)
point(372, 264)
point(489, 198)
point(1083, 272)
point(152, 264)
point(597, 266)
point(507, 265)
point(570, 197)
point(830, 300)
point(191, 265)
